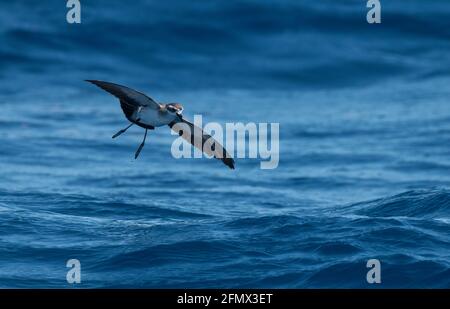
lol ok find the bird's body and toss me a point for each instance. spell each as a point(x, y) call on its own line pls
point(143, 111)
point(156, 118)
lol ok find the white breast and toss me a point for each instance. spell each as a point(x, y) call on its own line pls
point(156, 118)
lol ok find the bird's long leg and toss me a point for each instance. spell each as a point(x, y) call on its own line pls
point(141, 145)
point(124, 130)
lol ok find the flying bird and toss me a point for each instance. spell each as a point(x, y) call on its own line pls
point(143, 111)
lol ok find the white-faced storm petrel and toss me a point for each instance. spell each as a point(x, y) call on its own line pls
point(148, 114)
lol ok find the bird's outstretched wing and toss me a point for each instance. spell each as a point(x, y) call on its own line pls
point(201, 140)
point(127, 95)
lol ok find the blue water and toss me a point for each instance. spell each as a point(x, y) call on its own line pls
point(364, 113)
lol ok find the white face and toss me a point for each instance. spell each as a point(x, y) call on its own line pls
point(174, 110)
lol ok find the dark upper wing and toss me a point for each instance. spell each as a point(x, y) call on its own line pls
point(204, 141)
point(127, 95)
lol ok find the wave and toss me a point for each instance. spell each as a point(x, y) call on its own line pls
point(420, 204)
point(226, 34)
point(123, 244)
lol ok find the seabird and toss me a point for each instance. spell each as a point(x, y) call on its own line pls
point(143, 111)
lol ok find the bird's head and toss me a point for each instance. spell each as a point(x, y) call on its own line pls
point(174, 108)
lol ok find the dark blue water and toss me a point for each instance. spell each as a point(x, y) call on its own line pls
point(364, 113)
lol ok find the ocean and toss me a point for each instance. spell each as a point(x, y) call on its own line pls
point(364, 167)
